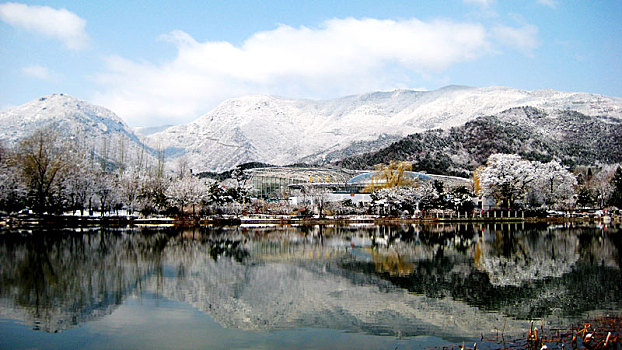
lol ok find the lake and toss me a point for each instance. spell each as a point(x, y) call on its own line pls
point(312, 287)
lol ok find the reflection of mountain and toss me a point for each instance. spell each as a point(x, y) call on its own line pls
point(408, 280)
point(316, 293)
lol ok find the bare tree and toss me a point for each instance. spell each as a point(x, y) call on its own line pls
point(79, 183)
point(318, 197)
point(129, 185)
point(42, 158)
point(122, 149)
point(601, 184)
point(105, 150)
point(160, 162)
point(392, 175)
point(183, 168)
point(105, 191)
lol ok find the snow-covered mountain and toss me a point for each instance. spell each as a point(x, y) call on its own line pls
point(535, 134)
point(284, 131)
point(97, 128)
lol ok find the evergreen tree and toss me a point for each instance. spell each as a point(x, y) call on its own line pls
point(616, 183)
point(585, 197)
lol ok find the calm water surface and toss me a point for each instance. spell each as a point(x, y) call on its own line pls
point(353, 287)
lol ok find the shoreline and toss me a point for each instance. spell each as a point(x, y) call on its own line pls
point(27, 221)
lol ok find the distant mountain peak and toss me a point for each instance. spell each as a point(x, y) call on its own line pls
point(60, 106)
point(71, 117)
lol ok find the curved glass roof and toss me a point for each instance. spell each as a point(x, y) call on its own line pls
point(366, 178)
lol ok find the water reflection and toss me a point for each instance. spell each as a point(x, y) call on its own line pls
point(450, 281)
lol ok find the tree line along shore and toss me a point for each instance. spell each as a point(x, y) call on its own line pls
point(46, 176)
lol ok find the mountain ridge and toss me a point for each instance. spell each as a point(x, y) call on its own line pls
point(282, 131)
point(567, 136)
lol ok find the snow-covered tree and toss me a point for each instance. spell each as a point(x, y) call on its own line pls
point(459, 199)
point(428, 195)
point(186, 190)
point(554, 185)
point(129, 186)
point(105, 191)
point(152, 194)
point(601, 185)
point(79, 178)
point(507, 178)
point(348, 207)
point(596, 186)
point(12, 188)
point(398, 198)
point(216, 195)
point(242, 182)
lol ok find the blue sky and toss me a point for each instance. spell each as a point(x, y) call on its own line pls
point(169, 62)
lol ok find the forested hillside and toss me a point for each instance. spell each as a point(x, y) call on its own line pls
point(571, 137)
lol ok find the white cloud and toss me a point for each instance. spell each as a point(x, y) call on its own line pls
point(60, 24)
point(343, 56)
point(523, 39)
point(38, 72)
point(550, 3)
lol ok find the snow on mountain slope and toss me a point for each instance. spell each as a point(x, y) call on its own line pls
point(282, 131)
point(97, 127)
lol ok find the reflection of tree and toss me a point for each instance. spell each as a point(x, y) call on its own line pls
point(62, 279)
point(227, 248)
point(579, 283)
point(392, 262)
point(514, 258)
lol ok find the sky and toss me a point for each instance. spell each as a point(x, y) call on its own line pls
point(169, 62)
